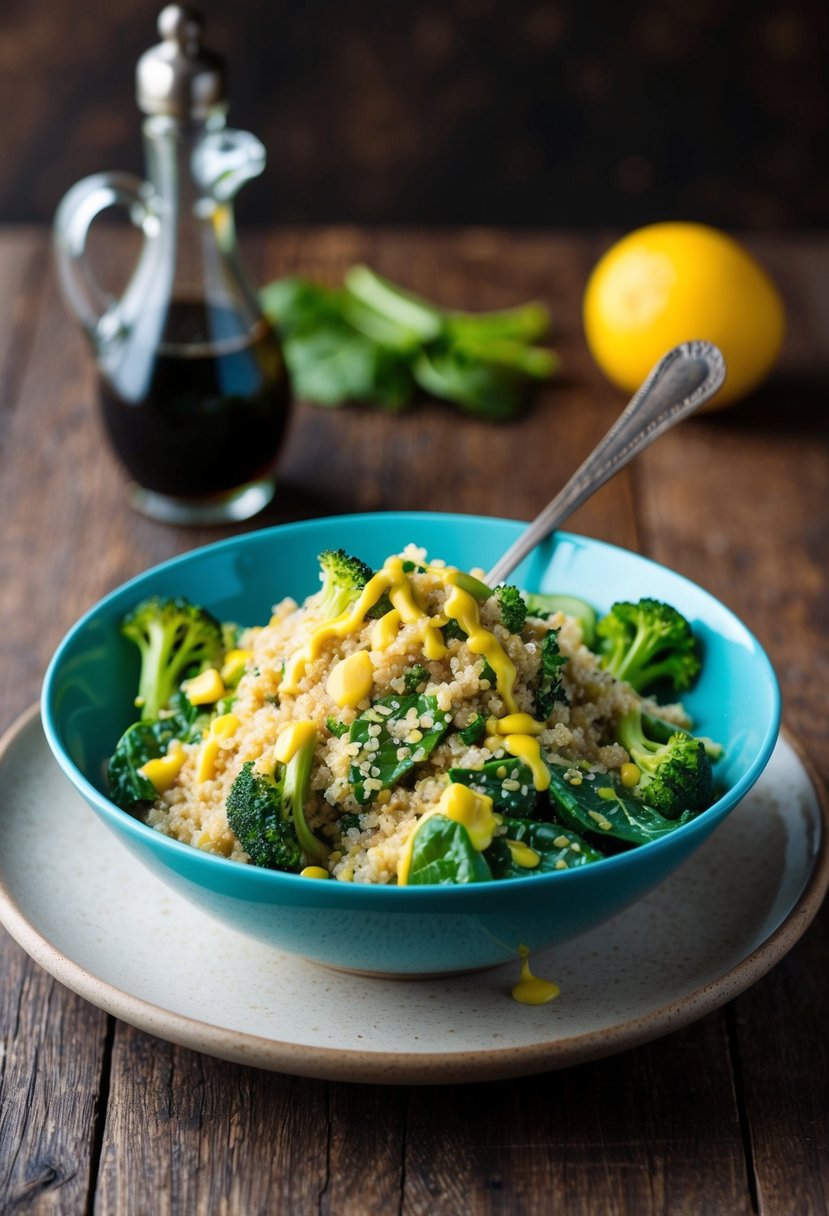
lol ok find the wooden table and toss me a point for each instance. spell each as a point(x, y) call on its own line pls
point(728, 1115)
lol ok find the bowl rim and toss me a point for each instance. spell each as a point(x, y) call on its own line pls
point(342, 893)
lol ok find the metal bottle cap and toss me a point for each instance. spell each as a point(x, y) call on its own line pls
point(179, 77)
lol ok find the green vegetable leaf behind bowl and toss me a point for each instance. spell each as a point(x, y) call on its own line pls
point(372, 341)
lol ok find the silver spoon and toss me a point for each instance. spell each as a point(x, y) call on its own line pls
point(686, 377)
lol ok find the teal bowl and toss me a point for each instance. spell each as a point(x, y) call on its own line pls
point(88, 701)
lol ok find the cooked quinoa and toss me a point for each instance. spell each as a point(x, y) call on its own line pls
point(367, 838)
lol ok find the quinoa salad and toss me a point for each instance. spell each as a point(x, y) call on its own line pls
point(410, 725)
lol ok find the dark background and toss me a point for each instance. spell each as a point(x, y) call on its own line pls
point(453, 111)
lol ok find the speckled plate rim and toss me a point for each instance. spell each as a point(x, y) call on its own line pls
point(445, 1067)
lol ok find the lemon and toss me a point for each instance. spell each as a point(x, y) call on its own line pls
point(669, 283)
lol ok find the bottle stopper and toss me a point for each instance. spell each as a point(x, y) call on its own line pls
point(179, 77)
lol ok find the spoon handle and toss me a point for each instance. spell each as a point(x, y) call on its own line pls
point(686, 377)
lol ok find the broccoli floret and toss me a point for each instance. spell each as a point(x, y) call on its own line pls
point(343, 578)
point(512, 608)
point(176, 639)
point(675, 775)
point(268, 813)
point(660, 731)
point(646, 642)
point(255, 808)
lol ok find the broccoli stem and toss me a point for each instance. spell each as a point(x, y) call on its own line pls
point(631, 663)
point(297, 780)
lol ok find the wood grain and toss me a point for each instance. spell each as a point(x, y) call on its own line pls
point(727, 1115)
point(185, 1133)
point(621, 1136)
point(51, 1073)
point(52, 1056)
point(752, 524)
point(451, 112)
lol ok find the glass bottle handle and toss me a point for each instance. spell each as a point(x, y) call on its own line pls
point(95, 308)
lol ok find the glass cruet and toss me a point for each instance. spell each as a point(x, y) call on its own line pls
point(193, 390)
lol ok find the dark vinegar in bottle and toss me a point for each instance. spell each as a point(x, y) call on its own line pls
point(203, 413)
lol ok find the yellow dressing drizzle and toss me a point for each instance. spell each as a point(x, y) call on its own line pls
point(392, 579)
point(434, 646)
point(385, 630)
point(515, 724)
point(528, 749)
point(473, 810)
point(463, 608)
point(403, 598)
point(530, 990)
point(341, 626)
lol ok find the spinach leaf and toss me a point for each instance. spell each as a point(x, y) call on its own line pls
point(139, 743)
point(187, 721)
point(149, 740)
point(475, 731)
point(329, 360)
point(553, 843)
point(615, 813)
point(443, 854)
point(386, 750)
point(492, 391)
point(508, 782)
point(332, 364)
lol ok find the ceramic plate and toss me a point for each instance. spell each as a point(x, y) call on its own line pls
point(99, 922)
